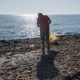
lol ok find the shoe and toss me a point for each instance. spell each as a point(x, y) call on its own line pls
point(43, 52)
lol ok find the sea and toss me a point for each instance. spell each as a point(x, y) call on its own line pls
point(25, 26)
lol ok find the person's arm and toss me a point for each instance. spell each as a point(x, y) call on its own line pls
point(49, 21)
point(38, 22)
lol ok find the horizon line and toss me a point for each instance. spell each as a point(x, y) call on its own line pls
point(31, 14)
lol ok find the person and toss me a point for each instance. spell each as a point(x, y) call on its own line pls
point(43, 22)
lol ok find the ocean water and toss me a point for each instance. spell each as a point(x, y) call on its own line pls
point(22, 27)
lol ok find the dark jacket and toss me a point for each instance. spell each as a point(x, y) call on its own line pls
point(43, 21)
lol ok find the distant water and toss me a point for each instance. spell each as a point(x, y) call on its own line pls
point(21, 27)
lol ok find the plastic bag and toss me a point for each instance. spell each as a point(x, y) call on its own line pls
point(52, 37)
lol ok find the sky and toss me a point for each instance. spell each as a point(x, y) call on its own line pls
point(35, 6)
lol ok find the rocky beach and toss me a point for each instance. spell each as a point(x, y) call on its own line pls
point(22, 59)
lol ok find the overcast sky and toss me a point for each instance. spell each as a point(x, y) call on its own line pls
point(35, 6)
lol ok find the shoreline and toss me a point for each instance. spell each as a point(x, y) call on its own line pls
point(76, 34)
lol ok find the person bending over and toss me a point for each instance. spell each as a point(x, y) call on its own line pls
point(43, 21)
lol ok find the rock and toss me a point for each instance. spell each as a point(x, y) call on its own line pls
point(22, 60)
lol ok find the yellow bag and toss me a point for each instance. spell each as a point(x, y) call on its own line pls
point(52, 37)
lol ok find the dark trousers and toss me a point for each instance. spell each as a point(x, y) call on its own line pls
point(45, 36)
